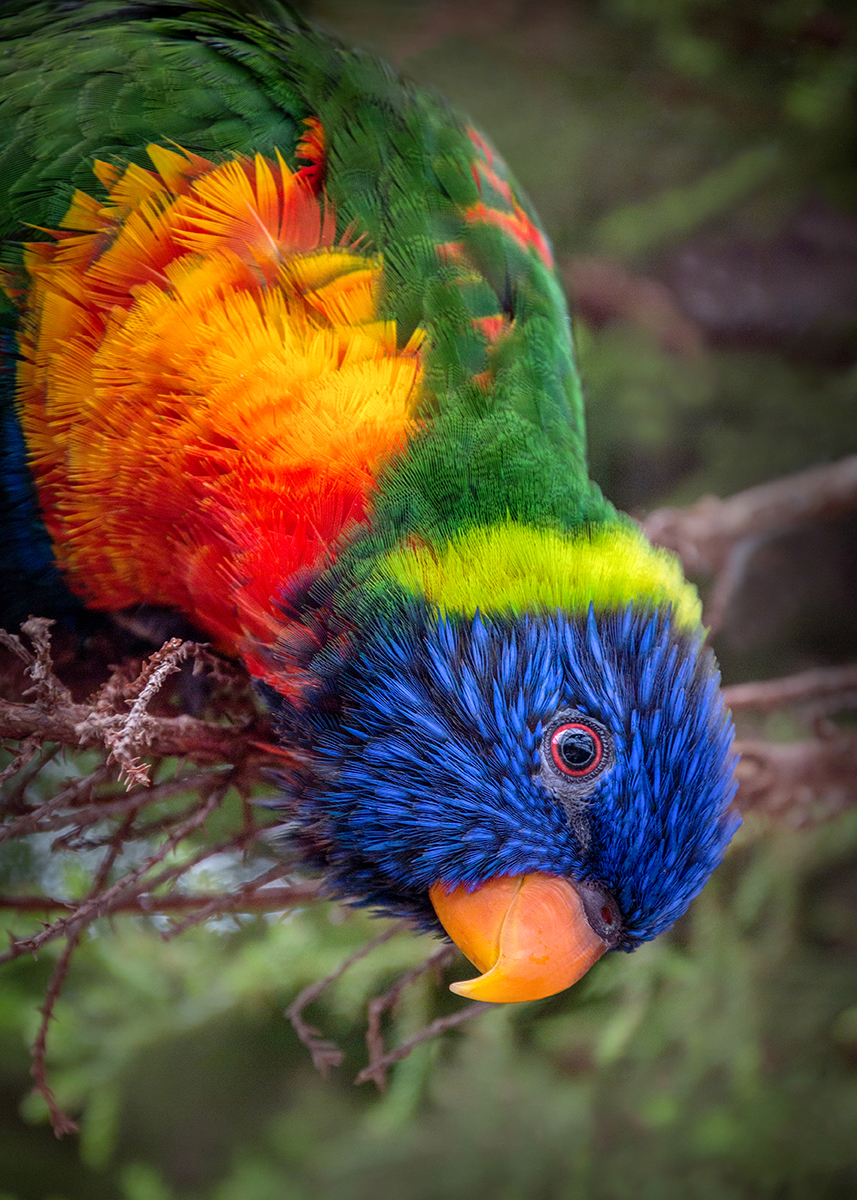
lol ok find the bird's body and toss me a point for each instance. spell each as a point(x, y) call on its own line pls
point(288, 354)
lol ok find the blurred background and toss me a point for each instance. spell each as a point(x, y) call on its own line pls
point(694, 164)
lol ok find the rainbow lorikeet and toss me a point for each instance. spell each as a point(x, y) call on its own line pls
point(286, 352)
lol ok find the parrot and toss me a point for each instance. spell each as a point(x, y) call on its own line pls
point(285, 351)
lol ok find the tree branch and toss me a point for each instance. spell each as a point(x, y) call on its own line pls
point(824, 690)
point(326, 1054)
point(251, 900)
point(704, 533)
point(800, 782)
point(181, 737)
point(60, 1122)
point(433, 1030)
point(377, 1067)
point(104, 720)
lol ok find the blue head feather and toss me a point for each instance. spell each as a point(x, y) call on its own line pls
point(431, 768)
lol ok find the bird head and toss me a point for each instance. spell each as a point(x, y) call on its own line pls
point(543, 787)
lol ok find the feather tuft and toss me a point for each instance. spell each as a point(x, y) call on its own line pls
point(202, 359)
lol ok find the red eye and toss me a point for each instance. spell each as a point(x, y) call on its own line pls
point(577, 749)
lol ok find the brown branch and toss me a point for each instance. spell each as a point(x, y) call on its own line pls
point(183, 737)
point(435, 1029)
point(60, 1123)
point(825, 690)
point(238, 841)
point(12, 642)
point(26, 753)
point(376, 1068)
point(604, 290)
point(131, 733)
point(68, 807)
point(40, 667)
point(326, 1054)
point(803, 782)
point(727, 583)
point(101, 904)
point(40, 818)
point(11, 799)
point(263, 900)
point(104, 722)
point(257, 893)
point(704, 533)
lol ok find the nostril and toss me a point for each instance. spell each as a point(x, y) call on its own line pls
point(602, 911)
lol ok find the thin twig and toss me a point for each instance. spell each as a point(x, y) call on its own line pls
point(131, 734)
point(40, 667)
point(12, 800)
point(60, 1122)
point(12, 642)
point(263, 900)
point(326, 1054)
point(35, 820)
point(435, 1029)
point(165, 737)
point(28, 749)
point(378, 1005)
point(800, 782)
point(704, 533)
point(257, 891)
point(54, 716)
point(101, 904)
point(727, 582)
point(825, 689)
point(63, 810)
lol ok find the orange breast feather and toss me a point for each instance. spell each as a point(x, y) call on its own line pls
point(207, 391)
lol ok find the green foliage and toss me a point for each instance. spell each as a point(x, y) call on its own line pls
point(717, 1061)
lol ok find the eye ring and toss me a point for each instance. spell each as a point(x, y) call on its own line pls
point(572, 772)
point(577, 749)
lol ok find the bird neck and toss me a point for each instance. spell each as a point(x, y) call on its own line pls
point(514, 568)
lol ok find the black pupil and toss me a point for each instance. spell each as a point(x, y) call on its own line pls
point(577, 748)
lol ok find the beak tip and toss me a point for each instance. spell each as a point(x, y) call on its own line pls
point(466, 988)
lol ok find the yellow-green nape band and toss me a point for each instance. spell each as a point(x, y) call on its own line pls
point(517, 568)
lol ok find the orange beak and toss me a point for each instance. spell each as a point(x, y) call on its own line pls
point(528, 934)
